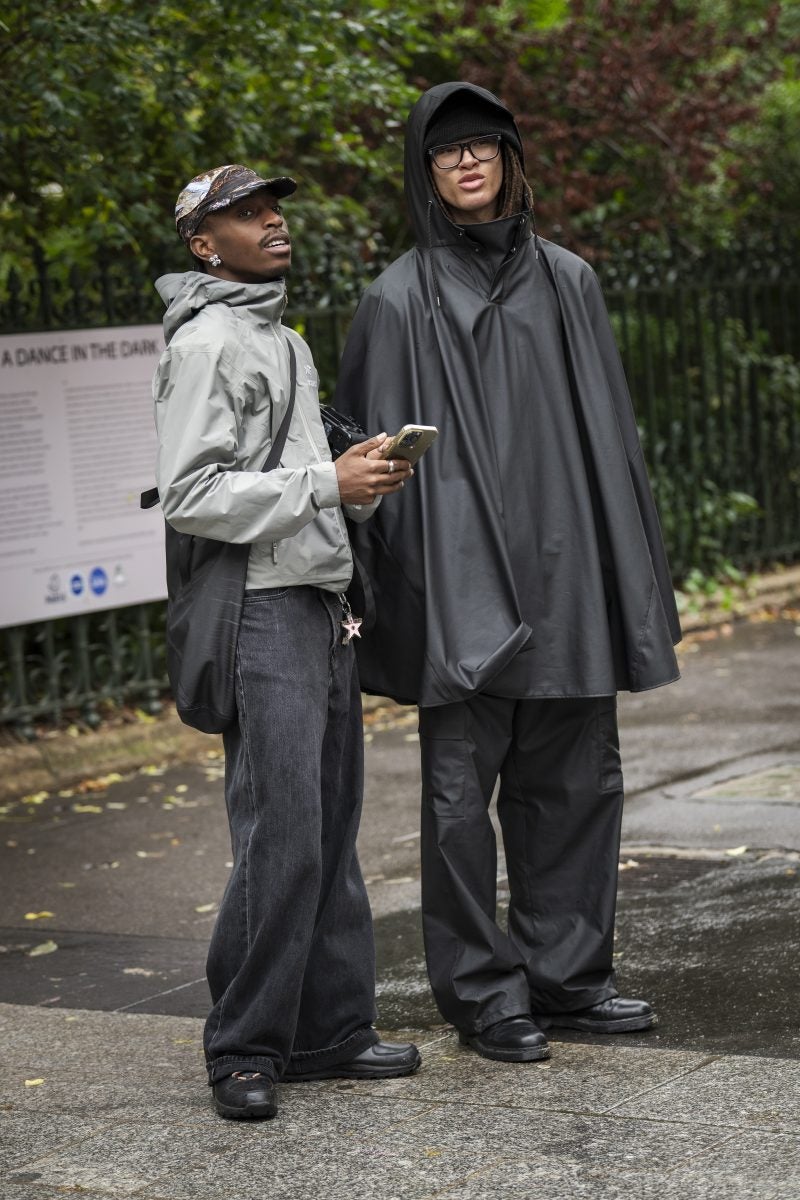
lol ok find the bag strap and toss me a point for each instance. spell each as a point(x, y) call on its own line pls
point(149, 499)
point(274, 456)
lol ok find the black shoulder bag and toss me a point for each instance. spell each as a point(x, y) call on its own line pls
point(205, 590)
point(341, 431)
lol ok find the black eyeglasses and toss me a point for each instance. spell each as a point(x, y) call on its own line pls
point(446, 158)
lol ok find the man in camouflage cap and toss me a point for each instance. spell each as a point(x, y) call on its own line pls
point(219, 188)
point(291, 962)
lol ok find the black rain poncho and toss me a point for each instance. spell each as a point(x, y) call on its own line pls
point(525, 558)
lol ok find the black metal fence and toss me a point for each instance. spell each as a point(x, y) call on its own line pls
point(711, 345)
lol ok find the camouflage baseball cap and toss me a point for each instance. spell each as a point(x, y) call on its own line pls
point(219, 188)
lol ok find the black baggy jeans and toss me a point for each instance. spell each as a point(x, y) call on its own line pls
point(560, 811)
point(291, 965)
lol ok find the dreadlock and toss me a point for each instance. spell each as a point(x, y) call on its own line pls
point(515, 193)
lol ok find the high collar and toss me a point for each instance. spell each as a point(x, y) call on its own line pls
point(498, 237)
point(189, 293)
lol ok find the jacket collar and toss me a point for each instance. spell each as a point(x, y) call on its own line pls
point(189, 293)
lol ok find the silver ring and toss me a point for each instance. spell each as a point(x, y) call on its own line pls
point(391, 465)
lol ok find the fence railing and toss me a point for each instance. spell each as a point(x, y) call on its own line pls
point(711, 345)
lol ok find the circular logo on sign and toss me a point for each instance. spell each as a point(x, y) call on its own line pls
point(76, 584)
point(98, 581)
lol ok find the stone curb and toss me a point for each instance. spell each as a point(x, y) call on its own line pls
point(775, 591)
point(60, 758)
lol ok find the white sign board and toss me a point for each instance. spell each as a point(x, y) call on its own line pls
point(77, 446)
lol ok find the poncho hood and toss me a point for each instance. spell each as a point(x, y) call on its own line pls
point(431, 225)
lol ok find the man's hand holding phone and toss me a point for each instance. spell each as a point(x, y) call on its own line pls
point(364, 472)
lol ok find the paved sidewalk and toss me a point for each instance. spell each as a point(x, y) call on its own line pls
point(596, 1121)
point(110, 887)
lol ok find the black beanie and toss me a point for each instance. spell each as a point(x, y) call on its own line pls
point(465, 115)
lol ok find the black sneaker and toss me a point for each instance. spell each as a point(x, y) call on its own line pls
point(382, 1060)
point(245, 1096)
point(616, 1015)
point(516, 1039)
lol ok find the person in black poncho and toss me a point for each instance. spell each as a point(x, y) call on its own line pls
point(521, 585)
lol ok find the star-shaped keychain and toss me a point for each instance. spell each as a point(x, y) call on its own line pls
point(351, 626)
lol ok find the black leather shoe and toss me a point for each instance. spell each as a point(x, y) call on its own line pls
point(616, 1015)
point(245, 1096)
point(383, 1060)
point(517, 1039)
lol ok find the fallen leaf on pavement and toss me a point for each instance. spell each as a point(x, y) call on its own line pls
point(35, 798)
point(42, 948)
point(737, 851)
point(100, 784)
point(33, 1082)
point(201, 908)
point(37, 916)
point(136, 971)
point(86, 808)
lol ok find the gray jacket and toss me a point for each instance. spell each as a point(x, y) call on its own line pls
point(221, 389)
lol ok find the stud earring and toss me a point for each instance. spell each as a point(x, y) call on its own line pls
point(215, 260)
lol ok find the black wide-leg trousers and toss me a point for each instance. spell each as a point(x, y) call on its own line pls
point(560, 811)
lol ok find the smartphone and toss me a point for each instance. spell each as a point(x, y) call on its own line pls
point(411, 442)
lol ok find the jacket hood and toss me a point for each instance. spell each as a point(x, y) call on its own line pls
point(431, 225)
point(187, 293)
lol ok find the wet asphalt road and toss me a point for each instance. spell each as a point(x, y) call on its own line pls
point(115, 886)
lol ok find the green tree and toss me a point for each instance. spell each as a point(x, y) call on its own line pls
point(111, 105)
point(633, 115)
point(636, 116)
